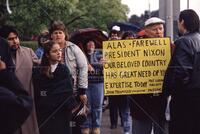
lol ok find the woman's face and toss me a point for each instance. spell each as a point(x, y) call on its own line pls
point(55, 53)
point(58, 36)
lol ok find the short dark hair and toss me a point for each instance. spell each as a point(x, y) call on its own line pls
point(127, 34)
point(58, 25)
point(45, 37)
point(191, 20)
point(114, 32)
point(6, 30)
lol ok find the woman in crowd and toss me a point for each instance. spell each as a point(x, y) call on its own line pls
point(53, 85)
point(74, 59)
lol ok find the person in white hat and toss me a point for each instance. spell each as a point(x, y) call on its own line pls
point(153, 20)
point(147, 110)
point(118, 104)
point(154, 27)
point(115, 33)
point(116, 28)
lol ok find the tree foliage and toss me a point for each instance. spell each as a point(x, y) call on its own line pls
point(31, 16)
point(139, 21)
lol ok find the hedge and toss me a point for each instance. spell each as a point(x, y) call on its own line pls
point(30, 44)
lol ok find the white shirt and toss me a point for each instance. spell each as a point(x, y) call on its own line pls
point(53, 67)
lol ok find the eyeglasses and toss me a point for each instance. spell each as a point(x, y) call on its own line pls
point(56, 50)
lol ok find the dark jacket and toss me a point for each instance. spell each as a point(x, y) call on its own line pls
point(148, 106)
point(50, 93)
point(95, 76)
point(15, 103)
point(5, 53)
point(182, 82)
point(178, 76)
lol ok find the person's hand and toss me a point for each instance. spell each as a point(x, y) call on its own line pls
point(2, 65)
point(103, 61)
point(90, 68)
point(83, 98)
point(37, 61)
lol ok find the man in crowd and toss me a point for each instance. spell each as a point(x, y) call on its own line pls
point(95, 89)
point(182, 78)
point(147, 110)
point(23, 59)
point(15, 103)
point(119, 103)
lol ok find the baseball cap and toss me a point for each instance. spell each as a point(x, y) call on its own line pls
point(116, 28)
point(153, 20)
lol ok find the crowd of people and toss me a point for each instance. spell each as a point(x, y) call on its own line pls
point(34, 85)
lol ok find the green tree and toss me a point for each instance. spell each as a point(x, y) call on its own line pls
point(100, 13)
point(139, 21)
point(31, 16)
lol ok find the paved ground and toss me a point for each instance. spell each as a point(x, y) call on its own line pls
point(105, 128)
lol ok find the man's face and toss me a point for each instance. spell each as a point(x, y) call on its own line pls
point(181, 27)
point(114, 36)
point(90, 47)
point(13, 41)
point(155, 31)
